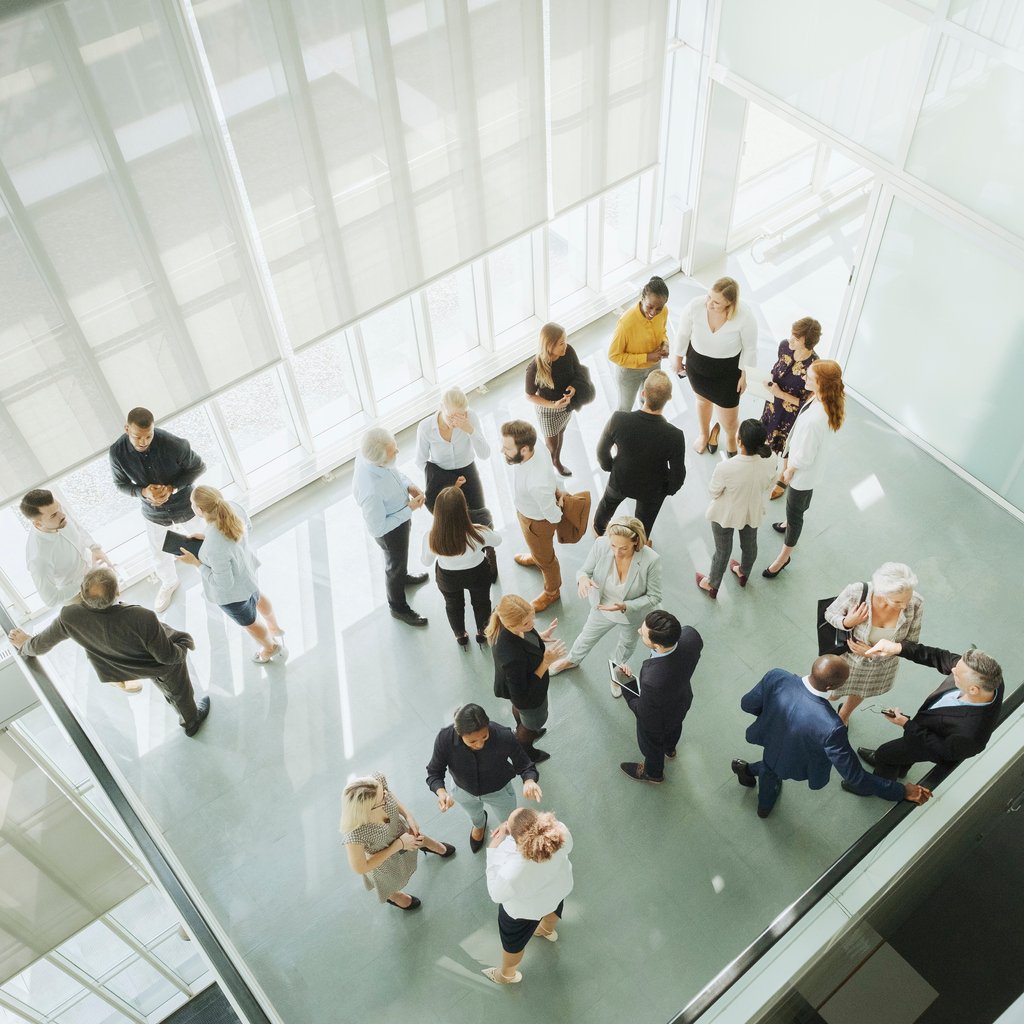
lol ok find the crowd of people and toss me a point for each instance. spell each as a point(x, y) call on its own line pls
point(801, 721)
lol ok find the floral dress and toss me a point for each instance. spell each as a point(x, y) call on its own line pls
point(374, 836)
point(789, 374)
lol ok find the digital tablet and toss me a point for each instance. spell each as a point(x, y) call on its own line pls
point(174, 542)
point(630, 683)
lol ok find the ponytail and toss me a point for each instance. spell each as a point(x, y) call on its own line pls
point(212, 503)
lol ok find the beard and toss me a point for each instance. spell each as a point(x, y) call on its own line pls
point(514, 460)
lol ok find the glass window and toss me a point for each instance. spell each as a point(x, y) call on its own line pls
point(147, 915)
point(257, 416)
point(141, 985)
point(14, 529)
point(195, 427)
point(96, 950)
point(90, 1009)
point(511, 279)
point(110, 516)
point(327, 383)
point(620, 209)
point(182, 957)
point(43, 987)
point(567, 254)
point(451, 302)
point(389, 342)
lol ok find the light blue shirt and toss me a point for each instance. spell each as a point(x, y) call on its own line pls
point(383, 495)
point(955, 699)
point(229, 566)
point(663, 654)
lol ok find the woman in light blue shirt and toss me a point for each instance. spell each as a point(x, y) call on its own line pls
point(228, 567)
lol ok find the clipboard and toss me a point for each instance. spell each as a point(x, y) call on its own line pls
point(617, 679)
point(174, 542)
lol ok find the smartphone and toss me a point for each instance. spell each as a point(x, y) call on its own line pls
point(889, 712)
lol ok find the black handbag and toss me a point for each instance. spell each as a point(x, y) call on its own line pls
point(585, 390)
point(831, 639)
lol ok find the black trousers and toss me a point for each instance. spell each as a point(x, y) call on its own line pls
point(453, 584)
point(797, 503)
point(395, 546)
point(176, 686)
point(437, 479)
point(893, 758)
point(654, 747)
point(647, 508)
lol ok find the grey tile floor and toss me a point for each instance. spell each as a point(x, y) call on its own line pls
point(671, 882)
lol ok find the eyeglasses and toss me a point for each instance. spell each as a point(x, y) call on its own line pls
point(383, 800)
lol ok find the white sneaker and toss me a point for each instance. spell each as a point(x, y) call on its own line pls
point(164, 595)
point(616, 689)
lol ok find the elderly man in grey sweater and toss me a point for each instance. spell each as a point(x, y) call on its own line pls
point(123, 642)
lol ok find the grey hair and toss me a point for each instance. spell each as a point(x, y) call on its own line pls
point(99, 588)
point(987, 673)
point(893, 578)
point(375, 445)
point(455, 400)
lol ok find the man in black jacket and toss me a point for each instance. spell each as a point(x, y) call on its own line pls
point(483, 758)
point(159, 469)
point(662, 696)
point(649, 456)
point(955, 721)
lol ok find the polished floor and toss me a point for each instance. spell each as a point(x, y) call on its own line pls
point(671, 882)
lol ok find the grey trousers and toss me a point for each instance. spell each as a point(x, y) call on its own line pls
point(502, 801)
point(630, 381)
point(594, 628)
point(723, 549)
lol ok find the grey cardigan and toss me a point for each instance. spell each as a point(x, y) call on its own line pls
point(643, 581)
point(229, 566)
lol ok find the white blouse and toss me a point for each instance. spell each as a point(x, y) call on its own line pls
point(454, 454)
point(735, 336)
point(804, 447)
point(528, 890)
point(469, 559)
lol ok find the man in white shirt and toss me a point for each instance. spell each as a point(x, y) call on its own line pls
point(59, 552)
point(538, 503)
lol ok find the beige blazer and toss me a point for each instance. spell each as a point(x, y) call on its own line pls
point(739, 490)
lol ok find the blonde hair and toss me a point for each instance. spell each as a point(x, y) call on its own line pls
point(550, 336)
point(454, 400)
point(511, 612)
point(628, 526)
point(211, 502)
point(831, 393)
point(538, 834)
point(357, 800)
point(657, 390)
point(729, 289)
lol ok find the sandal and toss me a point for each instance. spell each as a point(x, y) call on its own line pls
point(260, 658)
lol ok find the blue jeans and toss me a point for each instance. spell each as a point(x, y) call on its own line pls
point(769, 785)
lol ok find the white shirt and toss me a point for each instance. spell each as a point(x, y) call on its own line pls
point(454, 454)
point(528, 890)
point(58, 561)
point(469, 559)
point(738, 335)
point(533, 490)
point(804, 448)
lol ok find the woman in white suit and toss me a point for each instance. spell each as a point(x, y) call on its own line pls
point(622, 580)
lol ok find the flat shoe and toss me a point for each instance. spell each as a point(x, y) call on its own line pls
point(741, 576)
point(476, 845)
point(415, 905)
point(494, 973)
point(713, 438)
point(778, 491)
point(712, 592)
point(526, 560)
point(769, 575)
point(551, 936)
point(779, 527)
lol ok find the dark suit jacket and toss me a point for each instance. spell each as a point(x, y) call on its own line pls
point(515, 669)
point(665, 690)
point(649, 456)
point(803, 737)
point(124, 641)
point(948, 734)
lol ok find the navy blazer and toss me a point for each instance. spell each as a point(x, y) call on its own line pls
point(803, 737)
point(665, 690)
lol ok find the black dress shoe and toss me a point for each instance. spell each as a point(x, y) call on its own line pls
point(867, 756)
point(476, 845)
point(414, 905)
point(537, 755)
point(741, 769)
point(448, 851)
point(779, 527)
point(203, 711)
point(409, 616)
point(415, 581)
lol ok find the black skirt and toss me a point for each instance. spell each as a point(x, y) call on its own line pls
point(714, 379)
point(516, 933)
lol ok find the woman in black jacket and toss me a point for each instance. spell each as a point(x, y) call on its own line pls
point(522, 657)
point(551, 379)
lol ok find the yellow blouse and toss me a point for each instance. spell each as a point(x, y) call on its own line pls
point(635, 336)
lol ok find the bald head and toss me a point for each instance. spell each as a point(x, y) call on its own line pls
point(829, 672)
point(99, 589)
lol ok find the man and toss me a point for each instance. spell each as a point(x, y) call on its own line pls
point(649, 452)
point(387, 499)
point(59, 552)
point(664, 694)
point(123, 642)
point(803, 738)
point(537, 501)
point(483, 758)
point(159, 469)
point(955, 721)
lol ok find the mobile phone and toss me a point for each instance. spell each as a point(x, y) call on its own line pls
point(889, 712)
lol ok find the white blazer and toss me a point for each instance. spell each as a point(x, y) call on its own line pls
point(643, 581)
point(806, 441)
point(739, 490)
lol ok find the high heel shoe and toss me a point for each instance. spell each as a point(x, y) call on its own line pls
point(463, 641)
point(712, 592)
point(481, 639)
point(713, 438)
point(769, 575)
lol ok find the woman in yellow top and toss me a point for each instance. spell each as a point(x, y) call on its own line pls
point(640, 341)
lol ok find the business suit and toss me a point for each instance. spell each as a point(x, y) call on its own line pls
point(803, 739)
point(944, 735)
point(665, 697)
point(649, 465)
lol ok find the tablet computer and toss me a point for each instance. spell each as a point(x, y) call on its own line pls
point(630, 683)
point(174, 542)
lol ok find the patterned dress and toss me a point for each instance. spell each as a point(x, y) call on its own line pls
point(396, 871)
point(789, 374)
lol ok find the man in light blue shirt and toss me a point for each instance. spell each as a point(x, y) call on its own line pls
point(387, 499)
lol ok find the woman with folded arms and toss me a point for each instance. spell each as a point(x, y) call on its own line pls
point(640, 341)
point(549, 386)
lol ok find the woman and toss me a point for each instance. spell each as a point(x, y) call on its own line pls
point(549, 386)
point(640, 341)
point(621, 578)
point(522, 657)
point(529, 876)
point(823, 412)
point(788, 386)
point(379, 836)
point(891, 610)
point(719, 336)
point(739, 496)
point(446, 445)
point(461, 548)
point(228, 566)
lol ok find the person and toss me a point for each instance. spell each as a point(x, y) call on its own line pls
point(803, 738)
point(387, 499)
point(522, 659)
point(955, 721)
point(549, 386)
point(649, 461)
point(58, 551)
point(227, 566)
point(640, 341)
point(718, 335)
point(890, 610)
point(483, 759)
point(158, 468)
point(537, 501)
point(739, 497)
point(529, 876)
point(621, 578)
point(824, 411)
point(662, 697)
point(447, 443)
point(123, 642)
point(788, 386)
point(460, 547)
point(379, 834)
